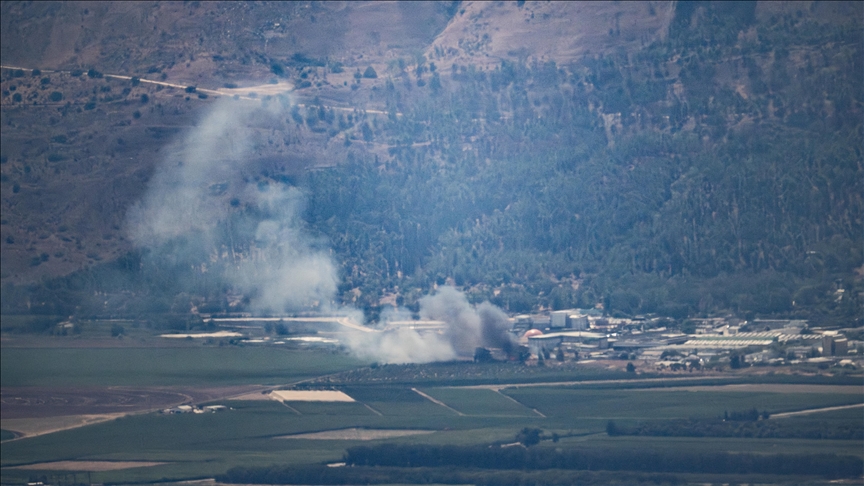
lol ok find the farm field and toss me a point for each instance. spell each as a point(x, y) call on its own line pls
point(252, 433)
point(480, 402)
point(636, 404)
point(195, 445)
point(197, 366)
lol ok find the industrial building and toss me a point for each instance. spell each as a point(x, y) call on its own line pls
point(834, 345)
point(538, 342)
point(568, 319)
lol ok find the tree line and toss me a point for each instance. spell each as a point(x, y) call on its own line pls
point(762, 429)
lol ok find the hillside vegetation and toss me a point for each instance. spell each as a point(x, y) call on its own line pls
point(714, 166)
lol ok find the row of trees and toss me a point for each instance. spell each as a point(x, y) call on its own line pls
point(424, 475)
point(392, 463)
point(485, 457)
point(763, 429)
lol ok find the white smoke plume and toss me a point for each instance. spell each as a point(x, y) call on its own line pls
point(463, 323)
point(203, 203)
point(401, 346)
point(466, 329)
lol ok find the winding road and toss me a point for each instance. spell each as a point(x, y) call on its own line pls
point(249, 93)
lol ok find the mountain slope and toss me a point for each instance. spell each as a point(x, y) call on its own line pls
point(658, 157)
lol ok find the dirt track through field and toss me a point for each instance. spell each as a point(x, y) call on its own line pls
point(32, 427)
point(815, 410)
point(766, 388)
point(87, 466)
point(519, 403)
point(437, 402)
point(595, 382)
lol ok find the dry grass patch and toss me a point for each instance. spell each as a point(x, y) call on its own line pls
point(310, 396)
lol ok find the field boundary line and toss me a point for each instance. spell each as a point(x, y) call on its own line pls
point(290, 407)
point(815, 410)
point(519, 403)
point(437, 402)
point(593, 382)
point(376, 412)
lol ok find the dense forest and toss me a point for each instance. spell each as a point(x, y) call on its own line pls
point(715, 171)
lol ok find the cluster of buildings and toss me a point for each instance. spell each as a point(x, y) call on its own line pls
point(587, 335)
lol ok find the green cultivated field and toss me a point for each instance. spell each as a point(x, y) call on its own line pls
point(196, 446)
point(480, 402)
point(170, 366)
point(636, 404)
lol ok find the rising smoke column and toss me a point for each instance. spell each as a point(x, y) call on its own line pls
point(463, 324)
point(467, 328)
point(203, 210)
point(495, 327)
point(202, 201)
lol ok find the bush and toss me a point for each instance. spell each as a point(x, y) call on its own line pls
point(55, 96)
point(370, 73)
point(529, 436)
point(40, 324)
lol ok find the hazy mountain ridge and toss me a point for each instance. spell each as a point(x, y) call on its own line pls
point(668, 176)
